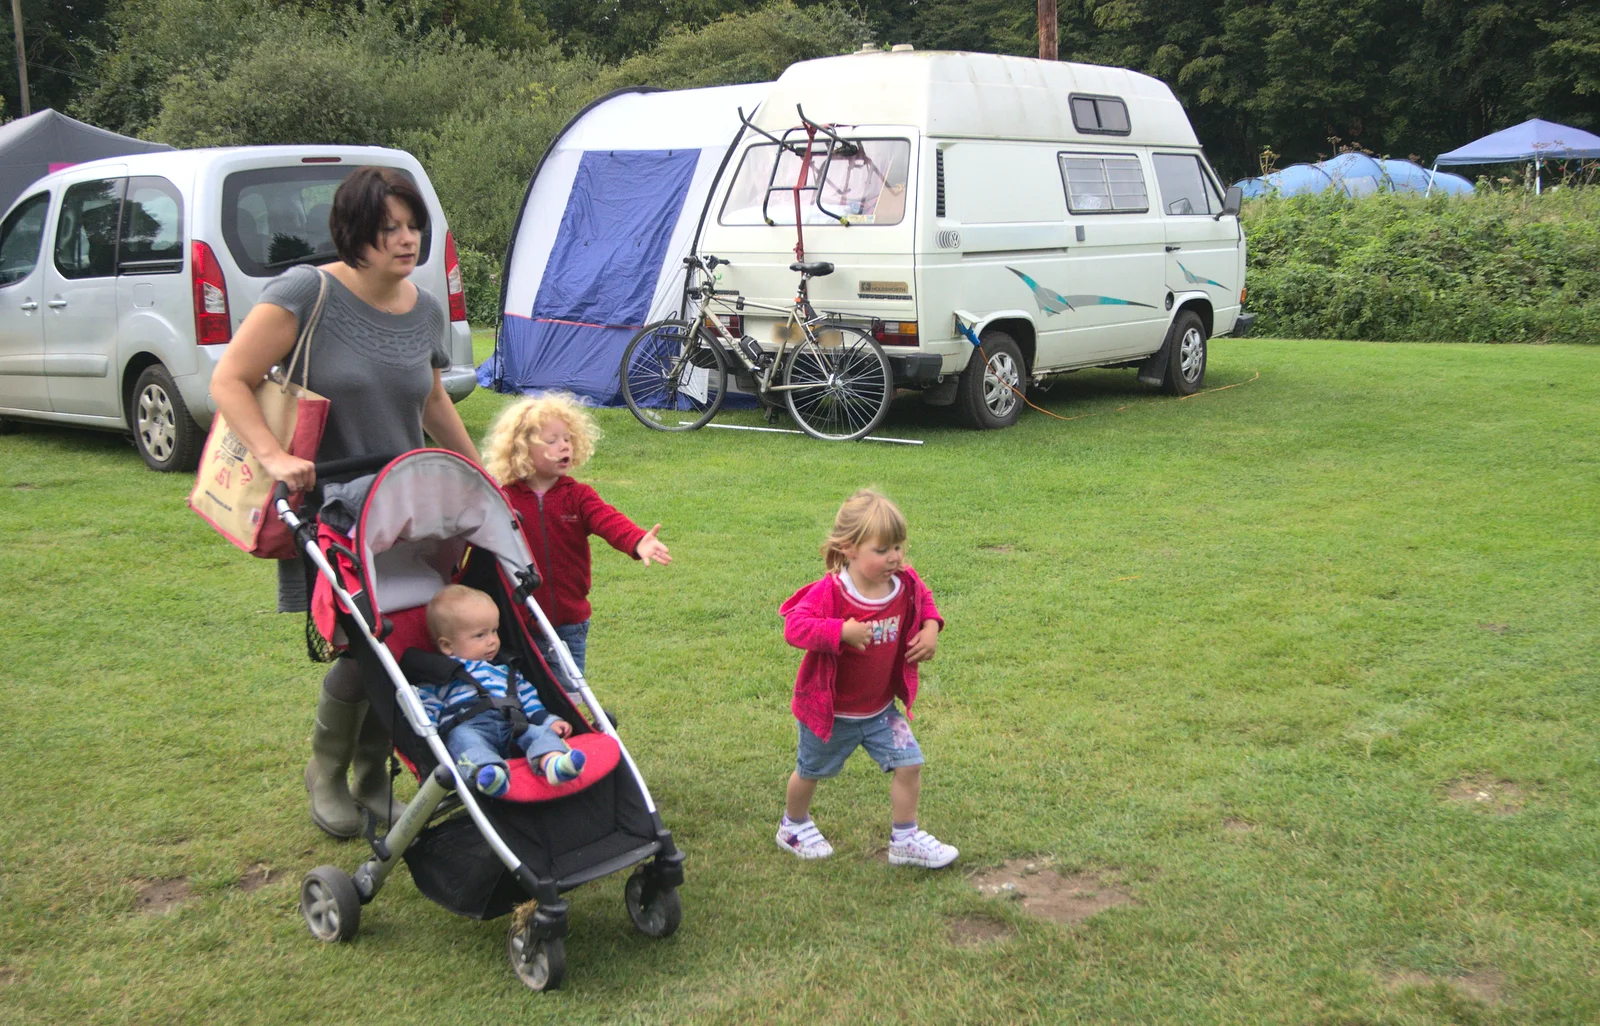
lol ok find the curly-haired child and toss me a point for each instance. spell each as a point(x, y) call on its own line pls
point(532, 448)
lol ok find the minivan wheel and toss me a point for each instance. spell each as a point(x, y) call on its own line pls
point(163, 432)
point(988, 395)
point(1186, 355)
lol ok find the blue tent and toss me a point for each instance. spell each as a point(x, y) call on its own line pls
point(1354, 174)
point(1535, 140)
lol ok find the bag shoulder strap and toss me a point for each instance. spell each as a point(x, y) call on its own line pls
point(302, 346)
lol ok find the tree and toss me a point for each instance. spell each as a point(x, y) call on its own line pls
point(60, 40)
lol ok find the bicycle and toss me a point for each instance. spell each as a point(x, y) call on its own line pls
point(833, 377)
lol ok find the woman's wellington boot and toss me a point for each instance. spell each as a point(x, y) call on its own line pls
point(373, 789)
point(333, 744)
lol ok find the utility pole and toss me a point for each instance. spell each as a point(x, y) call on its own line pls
point(22, 54)
point(1049, 47)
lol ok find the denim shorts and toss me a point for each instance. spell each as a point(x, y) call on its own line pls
point(886, 737)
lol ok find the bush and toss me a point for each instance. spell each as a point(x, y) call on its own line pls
point(480, 277)
point(1494, 267)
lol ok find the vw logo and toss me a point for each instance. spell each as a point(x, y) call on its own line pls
point(948, 239)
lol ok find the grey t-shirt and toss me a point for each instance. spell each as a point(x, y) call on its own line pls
point(374, 368)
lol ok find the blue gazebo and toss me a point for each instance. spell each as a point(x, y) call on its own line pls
point(1537, 141)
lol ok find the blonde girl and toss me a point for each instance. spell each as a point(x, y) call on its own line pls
point(532, 448)
point(864, 628)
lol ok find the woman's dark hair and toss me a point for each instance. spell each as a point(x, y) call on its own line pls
point(360, 208)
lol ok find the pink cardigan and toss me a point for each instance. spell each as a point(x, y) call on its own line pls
point(812, 621)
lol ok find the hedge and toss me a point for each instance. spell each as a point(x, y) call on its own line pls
point(1493, 267)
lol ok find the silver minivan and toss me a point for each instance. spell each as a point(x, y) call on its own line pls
point(122, 280)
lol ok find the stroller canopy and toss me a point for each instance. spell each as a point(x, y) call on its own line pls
point(421, 513)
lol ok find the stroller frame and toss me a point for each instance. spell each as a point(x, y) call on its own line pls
point(331, 900)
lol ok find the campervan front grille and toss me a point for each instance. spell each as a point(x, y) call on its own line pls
point(938, 189)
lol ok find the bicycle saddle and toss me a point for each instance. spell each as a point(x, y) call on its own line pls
point(815, 268)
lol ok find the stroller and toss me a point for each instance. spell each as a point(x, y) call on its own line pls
point(430, 518)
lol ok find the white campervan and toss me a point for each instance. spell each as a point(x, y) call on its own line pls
point(1062, 214)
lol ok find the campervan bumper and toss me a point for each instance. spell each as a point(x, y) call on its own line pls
point(459, 380)
point(1242, 325)
point(915, 370)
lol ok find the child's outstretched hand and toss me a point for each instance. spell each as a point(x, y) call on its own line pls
point(651, 548)
point(558, 726)
point(923, 643)
point(855, 634)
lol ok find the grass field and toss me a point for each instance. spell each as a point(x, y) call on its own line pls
point(1304, 668)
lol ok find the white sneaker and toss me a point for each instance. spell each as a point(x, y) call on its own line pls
point(922, 849)
point(804, 840)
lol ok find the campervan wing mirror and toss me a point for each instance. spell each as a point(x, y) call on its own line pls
point(1232, 200)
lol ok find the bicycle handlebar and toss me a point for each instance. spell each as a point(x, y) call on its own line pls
point(710, 263)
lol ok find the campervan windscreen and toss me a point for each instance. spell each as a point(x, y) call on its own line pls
point(868, 187)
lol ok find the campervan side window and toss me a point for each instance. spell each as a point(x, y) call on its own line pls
point(868, 188)
point(1185, 187)
point(1103, 185)
point(1100, 115)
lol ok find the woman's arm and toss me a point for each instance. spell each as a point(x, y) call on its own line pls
point(442, 421)
point(263, 340)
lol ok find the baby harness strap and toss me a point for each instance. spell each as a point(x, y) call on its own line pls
point(423, 668)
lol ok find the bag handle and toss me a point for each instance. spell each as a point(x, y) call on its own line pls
point(302, 345)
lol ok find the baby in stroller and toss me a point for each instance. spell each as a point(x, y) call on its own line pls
point(476, 714)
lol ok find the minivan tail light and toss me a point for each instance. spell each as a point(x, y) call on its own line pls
point(211, 324)
point(452, 280)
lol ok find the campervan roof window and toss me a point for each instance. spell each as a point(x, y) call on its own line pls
point(1104, 185)
point(868, 187)
point(1100, 115)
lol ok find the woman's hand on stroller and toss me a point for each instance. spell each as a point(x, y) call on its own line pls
point(293, 471)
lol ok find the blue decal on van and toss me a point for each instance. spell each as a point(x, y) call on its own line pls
point(1195, 279)
point(1054, 302)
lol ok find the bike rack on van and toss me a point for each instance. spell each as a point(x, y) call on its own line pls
point(835, 145)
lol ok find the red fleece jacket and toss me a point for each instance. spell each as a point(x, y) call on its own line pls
point(558, 527)
point(812, 621)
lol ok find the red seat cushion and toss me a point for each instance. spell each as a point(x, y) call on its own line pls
point(527, 785)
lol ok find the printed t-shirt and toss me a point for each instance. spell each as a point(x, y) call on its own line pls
point(865, 685)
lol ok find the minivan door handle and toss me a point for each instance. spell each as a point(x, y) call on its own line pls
point(1173, 249)
point(31, 305)
point(56, 304)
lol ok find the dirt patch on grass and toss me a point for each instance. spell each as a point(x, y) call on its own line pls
point(1494, 628)
point(998, 548)
point(9, 975)
point(1046, 893)
point(25, 487)
point(1238, 826)
point(975, 931)
point(160, 895)
point(1501, 797)
point(1486, 986)
point(258, 876)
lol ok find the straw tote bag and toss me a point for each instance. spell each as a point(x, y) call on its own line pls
point(232, 491)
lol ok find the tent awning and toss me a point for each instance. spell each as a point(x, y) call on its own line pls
point(1531, 140)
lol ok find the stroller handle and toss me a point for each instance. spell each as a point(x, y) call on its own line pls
point(336, 468)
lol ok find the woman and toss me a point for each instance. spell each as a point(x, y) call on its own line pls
point(376, 356)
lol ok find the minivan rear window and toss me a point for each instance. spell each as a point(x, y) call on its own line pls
point(276, 217)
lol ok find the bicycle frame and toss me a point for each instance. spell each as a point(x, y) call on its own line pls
point(801, 320)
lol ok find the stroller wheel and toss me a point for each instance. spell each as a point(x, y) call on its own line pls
point(331, 905)
point(540, 963)
point(655, 911)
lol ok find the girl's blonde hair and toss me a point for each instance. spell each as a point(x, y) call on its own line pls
point(866, 516)
point(514, 436)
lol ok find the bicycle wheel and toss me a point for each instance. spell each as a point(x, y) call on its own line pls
point(840, 384)
point(673, 377)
